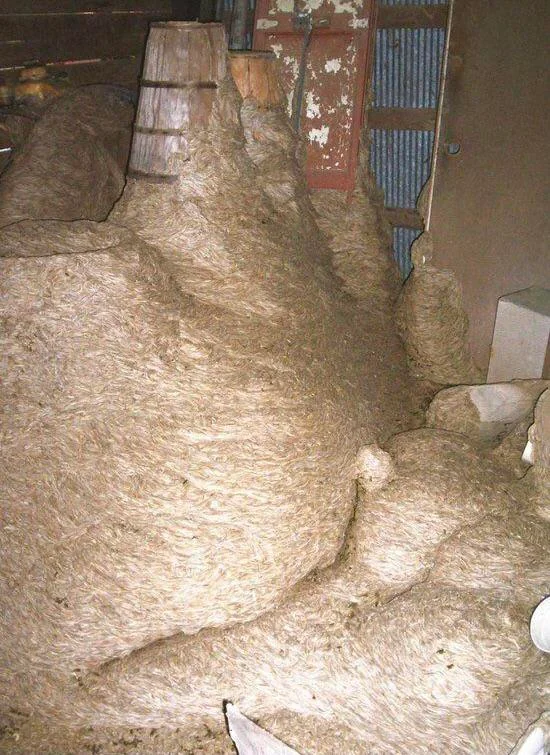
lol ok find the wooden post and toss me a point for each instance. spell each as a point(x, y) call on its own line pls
point(255, 74)
point(184, 63)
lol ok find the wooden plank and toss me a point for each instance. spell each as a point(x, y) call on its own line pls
point(412, 16)
point(156, 8)
point(168, 115)
point(124, 71)
point(256, 76)
point(413, 119)
point(59, 38)
point(404, 218)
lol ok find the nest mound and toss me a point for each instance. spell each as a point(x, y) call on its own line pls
point(369, 657)
point(73, 163)
point(188, 391)
point(198, 385)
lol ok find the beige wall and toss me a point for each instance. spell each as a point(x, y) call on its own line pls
point(491, 212)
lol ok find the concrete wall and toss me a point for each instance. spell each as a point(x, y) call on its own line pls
point(491, 218)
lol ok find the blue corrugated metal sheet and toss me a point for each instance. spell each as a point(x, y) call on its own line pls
point(406, 67)
point(406, 75)
point(400, 161)
point(402, 242)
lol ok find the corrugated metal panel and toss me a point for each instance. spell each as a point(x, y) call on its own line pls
point(402, 242)
point(400, 161)
point(406, 67)
point(406, 75)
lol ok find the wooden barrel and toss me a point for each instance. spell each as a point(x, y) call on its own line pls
point(256, 76)
point(184, 63)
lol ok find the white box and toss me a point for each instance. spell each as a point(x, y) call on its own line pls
point(521, 336)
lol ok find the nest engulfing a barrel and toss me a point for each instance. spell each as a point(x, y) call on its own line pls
point(184, 64)
point(196, 404)
point(198, 392)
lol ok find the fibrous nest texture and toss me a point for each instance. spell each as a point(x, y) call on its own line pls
point(433, 323)
point(73, 162)
point(363, 655)
point(350, 225)
point(487, 413)
point(539, 435)
point(361, 255)
point(347, 232)
point(196, 507)
point(14, 131)
point(186, 389)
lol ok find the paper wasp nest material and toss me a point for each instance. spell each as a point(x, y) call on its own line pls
point(186, 390)
point(486, 413)
point(433, 323)
point(343, 663)
point(349, 225)
point(73, 164)
point(375, 662)
point(539, 435)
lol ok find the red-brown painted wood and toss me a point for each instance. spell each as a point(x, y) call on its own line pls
point(335, 83)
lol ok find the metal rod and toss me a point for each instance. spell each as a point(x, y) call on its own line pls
point(298, 97)
point(439, 117)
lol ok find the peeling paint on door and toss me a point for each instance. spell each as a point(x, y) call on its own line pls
point(335, 78)
point(266, 23)
point(333, 66)
point(313, 108)
point(319, 135)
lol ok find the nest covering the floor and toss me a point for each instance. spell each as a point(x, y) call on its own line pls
point(197, 506)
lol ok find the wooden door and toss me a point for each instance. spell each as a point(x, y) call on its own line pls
point(334, 75)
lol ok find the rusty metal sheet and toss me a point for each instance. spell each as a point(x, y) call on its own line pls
point(335, 77)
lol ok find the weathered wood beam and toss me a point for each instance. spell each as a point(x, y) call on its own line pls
point(55, 38)
point(156, 8)
point(412, 16)
point(123, 71)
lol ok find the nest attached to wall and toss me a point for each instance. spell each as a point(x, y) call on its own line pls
point(433, 323)
point(347, 233)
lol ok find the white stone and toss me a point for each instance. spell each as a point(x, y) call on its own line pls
point(485, 413)
point(520, 338)
point(250, 739)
